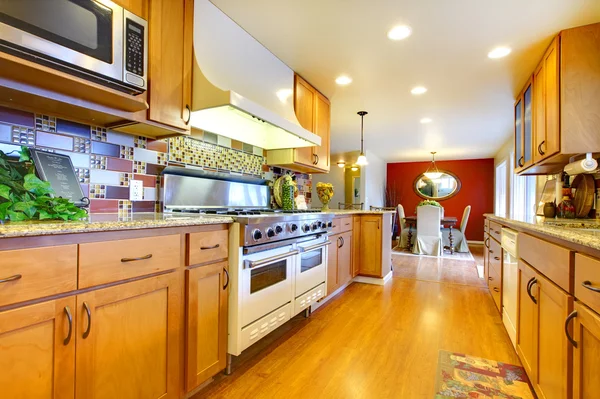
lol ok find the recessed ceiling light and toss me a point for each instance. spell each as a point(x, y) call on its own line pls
point(399, 32)
point(418, 90)
point(343, 80)
point(499, 52)
point(426, 120)
point(341, 164)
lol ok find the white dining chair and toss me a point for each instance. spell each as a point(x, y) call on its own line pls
point(458, 235)
point(403, 229)
point(429, 235)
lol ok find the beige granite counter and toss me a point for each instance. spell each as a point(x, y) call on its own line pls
point(107, 222)
point(584, 232)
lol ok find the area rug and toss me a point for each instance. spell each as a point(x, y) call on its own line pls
point(463, 376)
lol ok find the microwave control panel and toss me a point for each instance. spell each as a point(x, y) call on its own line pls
point(134, 50)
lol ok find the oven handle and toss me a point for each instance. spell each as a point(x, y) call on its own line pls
point(250, 264)
point(310, 248)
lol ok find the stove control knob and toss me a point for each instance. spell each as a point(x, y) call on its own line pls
point(293, 227)
point(314, 226)
point(270, 233)
point(278, 229)
point(257, 235)
point(306, 228)
point(330, 224)
point(324, 226)
point(319, 223)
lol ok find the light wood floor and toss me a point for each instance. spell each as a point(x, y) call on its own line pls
point(375, 342)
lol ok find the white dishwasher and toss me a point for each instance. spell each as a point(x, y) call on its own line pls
point(509, 282)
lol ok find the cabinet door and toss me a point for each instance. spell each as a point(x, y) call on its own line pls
point(553, 376)
point(206, 322)
point(322, 128)
point(527, 324)
point(586, 356)
point(345, 258)
point(355, 246)
point(370, 246)
point(37, 350)
point(170, 48)
point(304, 103)
point(128, 340)
point(528, 125)
point(519, 161)
point(552, 103)
point(486, 256)
point(539, 112)
point(138, 7)
point(332, 265)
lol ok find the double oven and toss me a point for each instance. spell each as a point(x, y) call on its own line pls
point(276, 284)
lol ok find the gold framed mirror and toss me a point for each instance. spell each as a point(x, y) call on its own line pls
point(441, 188)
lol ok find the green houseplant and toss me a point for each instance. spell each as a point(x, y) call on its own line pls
point(428, 202)
point(23, 196)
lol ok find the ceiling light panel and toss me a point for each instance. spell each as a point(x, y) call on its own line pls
point(343, 80)
point(419, 90)
point(399, 32)
point(499, 52)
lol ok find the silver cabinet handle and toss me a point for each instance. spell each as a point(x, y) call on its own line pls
point(135, 259)
point(588, 284)
point(250, 264)
point(11, 278)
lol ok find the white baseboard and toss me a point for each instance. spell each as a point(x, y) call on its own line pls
point(373, 280)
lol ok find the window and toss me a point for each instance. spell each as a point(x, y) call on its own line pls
point(523, 201)
point(500, 194)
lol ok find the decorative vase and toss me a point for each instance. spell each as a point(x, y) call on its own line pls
point(549, 209)
point(325, 193)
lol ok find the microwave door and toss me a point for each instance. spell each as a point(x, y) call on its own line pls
point(83, 33)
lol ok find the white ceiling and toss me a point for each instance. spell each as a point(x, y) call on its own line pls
point(470, 96)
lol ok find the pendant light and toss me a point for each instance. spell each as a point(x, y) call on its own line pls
point(432, 172)
point(362, 159)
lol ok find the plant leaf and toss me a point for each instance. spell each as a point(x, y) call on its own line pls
point(4, 191)
point(16, 216)
point(24, 155)
point(36, 186)
point(3, 209)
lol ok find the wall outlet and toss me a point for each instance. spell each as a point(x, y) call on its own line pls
point(136, 190)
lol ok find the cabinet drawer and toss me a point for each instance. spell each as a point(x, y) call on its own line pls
point(255, 331)
point(495, 286)
point(207, 246)
point(587, 270)
point(109, 261)
point(551, 260)
point(495, 230)
point(308, 298)
point(341, 224)
point(495, 252)
point(486, 226)
point(37, 273)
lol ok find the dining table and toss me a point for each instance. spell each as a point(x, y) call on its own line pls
point(447, 221)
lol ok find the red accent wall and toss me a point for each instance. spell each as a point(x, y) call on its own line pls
point(476, 176)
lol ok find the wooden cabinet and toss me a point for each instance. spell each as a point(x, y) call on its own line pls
point(486, 255)
point(170, 61)
point(563, 96)
point(128, 340)
point(586, 355)
point(339, 262)
point(206, 322)
point(138, 7)
point(524, 128)
point(355, 245)
point(541, 342)
point(370, 245)
point(37, 345)
point(313, 111)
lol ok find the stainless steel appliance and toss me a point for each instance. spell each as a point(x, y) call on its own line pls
point(277, 259)
point(94, 39)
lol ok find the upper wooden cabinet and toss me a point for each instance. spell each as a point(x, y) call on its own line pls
point(556, 110)
point(313, 111)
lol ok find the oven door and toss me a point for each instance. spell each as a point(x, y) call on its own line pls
point(311, 266)
point(266, 282)
point(84, 33)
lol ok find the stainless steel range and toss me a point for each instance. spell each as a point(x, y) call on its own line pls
point(277, 259)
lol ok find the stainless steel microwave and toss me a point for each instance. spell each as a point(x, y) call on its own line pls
point(94, 39)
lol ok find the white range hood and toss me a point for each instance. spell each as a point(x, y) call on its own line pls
point(240, 89)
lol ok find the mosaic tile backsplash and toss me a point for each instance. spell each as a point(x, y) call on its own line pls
point(107, 161)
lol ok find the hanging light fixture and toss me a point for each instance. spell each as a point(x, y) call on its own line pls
point(362, 159)
point(432, 171)
point(341, 164)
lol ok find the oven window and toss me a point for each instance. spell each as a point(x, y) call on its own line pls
point(84, 26)
point(266, 276)
point(311, 259)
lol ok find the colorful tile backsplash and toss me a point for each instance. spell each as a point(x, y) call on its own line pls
point(106, 161)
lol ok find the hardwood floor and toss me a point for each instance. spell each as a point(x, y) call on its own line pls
point(375, 342)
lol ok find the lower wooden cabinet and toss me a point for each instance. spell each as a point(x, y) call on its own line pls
point(486, 255)
point(586, 355)
point(542, 344)
point(206, 322)
point(355, 245)
point(127, 340)
point(37, 350)
point(339, 261)
point(370, 245)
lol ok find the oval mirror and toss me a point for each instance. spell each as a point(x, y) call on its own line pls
point(441, 188)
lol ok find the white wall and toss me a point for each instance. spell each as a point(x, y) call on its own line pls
point(372, 182)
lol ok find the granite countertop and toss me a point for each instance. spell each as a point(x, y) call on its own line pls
point(584, 232)
point(107, 222)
